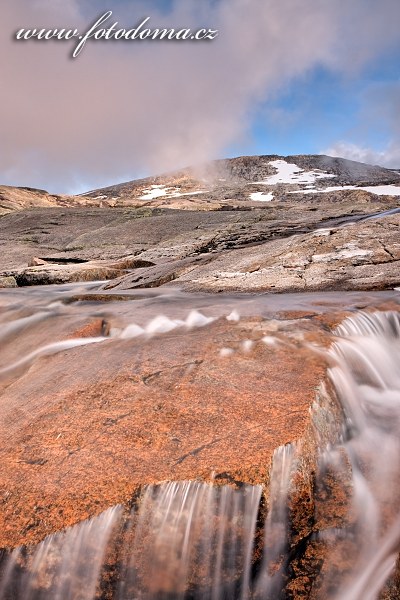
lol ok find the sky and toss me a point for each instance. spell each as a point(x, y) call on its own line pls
point(282, 77)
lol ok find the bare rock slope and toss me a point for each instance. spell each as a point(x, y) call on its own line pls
point(250, 223)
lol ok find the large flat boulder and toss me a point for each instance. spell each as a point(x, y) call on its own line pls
point(86, 428)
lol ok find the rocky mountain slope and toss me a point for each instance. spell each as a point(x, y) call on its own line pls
point(250, 223)
point(237, 181)
point(21, 198)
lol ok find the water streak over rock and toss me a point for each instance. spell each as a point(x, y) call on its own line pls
point(321, 523)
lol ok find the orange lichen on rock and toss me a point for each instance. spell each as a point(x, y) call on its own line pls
point(89, 426)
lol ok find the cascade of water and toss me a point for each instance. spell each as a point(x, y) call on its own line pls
point(158, 325)
point(187, 540)
point(192, 540)
point(24, 363)
point(366, 377)
point(10, 575)
point(65, 566)
point(270, 581)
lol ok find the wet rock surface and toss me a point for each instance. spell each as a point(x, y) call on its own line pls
point(361, 256)
point(212, 404)
point(180, 406)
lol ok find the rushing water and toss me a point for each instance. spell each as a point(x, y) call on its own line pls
point(270, 582)
point(195, 540)
point(366, 377)
point(65, 565)
point(191, 535)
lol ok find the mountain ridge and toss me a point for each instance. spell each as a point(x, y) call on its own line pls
point(249, 169)
point(248, 224)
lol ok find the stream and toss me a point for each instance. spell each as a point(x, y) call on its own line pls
point(205, 540)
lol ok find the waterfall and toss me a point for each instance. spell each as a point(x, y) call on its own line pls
point(65, 566)
point(186, 540)
point(193, 540)
point(366, 376)
point(270, 580)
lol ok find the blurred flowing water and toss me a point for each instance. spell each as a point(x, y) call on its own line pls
point(190, 534)
point(64, 565)
point(195, 540)
point(366, 376)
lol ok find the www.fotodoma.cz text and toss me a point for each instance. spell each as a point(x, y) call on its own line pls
point(112, 32)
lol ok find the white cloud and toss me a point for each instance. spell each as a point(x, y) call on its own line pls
point(390, 157)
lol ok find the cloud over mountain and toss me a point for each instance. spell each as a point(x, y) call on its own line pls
point(125, 108)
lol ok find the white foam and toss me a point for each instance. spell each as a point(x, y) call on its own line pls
point(247, 345)
point(196, 319)
point(131, 331)
point(233, 316)
point(225, 352)
point(163, 325)
point(160, 324)
point(269, 340)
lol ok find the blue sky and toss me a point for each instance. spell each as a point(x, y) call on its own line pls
point(317, 110)
point(283, 77)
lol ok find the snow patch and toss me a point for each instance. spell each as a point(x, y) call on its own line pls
point(262, 197)
point(156, 191)
point(337, 188)
point(379, 190)
point(383, 190)
point(292, 174)
point(159, 191)
point(187, 193)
